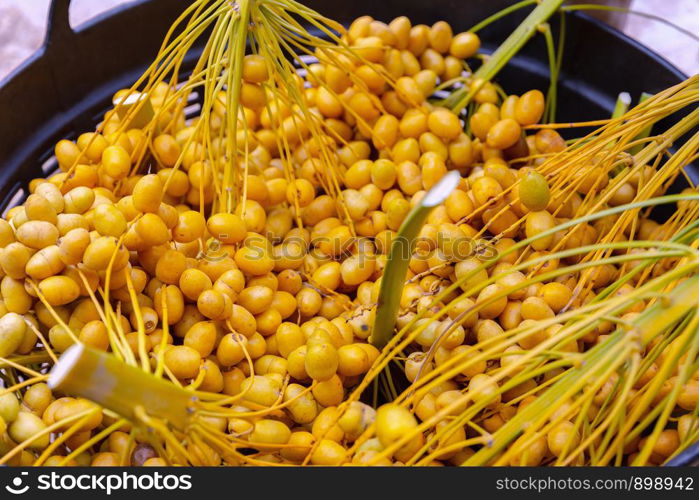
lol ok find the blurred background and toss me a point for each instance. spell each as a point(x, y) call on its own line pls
point(22, 27)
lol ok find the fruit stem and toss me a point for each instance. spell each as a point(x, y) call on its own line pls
point(500, 14)
point(646, 131)
point(507, 50)
point(399, 256)
point(100, 377)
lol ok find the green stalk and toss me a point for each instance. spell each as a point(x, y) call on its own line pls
point(399, 256)
point(561, 41)
point(551, 94)
point(506, 51)
point(100, 377)
point(499, 15)
point(646, 131)
point(622, 105)
point(661, 316)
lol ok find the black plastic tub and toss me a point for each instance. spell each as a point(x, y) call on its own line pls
point(66, 86)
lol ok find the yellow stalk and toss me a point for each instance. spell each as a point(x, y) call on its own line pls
point(93, 441)
point(7, 362)
point(114, 342)
point(160, 427)
point(65, 436)
point(102, 378)
point(160, 356)
point(24, 383)
point(140, 326)
point(47, 346)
